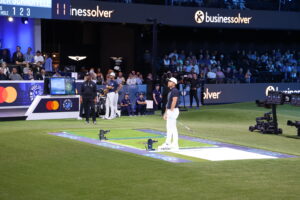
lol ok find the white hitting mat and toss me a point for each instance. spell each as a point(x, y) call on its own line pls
point(222, 153)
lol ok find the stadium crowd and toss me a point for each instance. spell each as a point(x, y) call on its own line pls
point(209, 66)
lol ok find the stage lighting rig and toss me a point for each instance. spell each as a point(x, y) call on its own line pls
point(102, 134)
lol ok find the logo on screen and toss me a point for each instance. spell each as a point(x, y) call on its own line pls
point(35, 90)
point(8, 94)
point(199, 16)
point(211, 95)
point(269, 89)
point(52, 105)
point(67, 104)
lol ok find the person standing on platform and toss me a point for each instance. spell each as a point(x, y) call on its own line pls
point(88, 98)
point(112, 87)
point(171, 115)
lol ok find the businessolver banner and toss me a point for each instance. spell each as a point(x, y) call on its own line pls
point(174, 15)
point(234, 93)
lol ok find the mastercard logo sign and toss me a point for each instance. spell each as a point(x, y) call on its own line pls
point(8, 94)
point(52, 105)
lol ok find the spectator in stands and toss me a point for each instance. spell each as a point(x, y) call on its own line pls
point(240, 76)
point(195, 67)
point(126, 107)
point(141, 105)
point(18, 57)
point(14, 75)
point(38, 58)
point(248, 76)
point(166, 61)
point(29, 76)
point(100, 79)
point(48, 63)
point(2, 75)
point(211, 76)
point(120, 79)
point(26, 68)
point(157, 97)
point(28, 56)
point(5, 69)
point(174, 53)
point(131, 80)
point(5, 57)
point(220, 75)
point(41, 75)
point(139, 79)
point(229, 75)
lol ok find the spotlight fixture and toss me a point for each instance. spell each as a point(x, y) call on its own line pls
point(10, 19)
point(24, 20)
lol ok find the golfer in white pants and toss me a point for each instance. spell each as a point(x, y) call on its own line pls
point(116, 99)
point(171, 115)
point(112, 86)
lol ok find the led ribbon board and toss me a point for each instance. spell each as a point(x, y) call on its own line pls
point(26, 8)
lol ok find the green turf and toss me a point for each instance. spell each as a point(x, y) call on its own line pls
point(114, 134)
point(140, 143)
point(133, 138)
point(35, 165)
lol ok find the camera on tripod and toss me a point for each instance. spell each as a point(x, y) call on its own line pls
point(266, 125)
point(149, 144)
point(267, 117)
point(296, 124)
point(102, 134)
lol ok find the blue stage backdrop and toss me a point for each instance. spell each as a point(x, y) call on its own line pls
point(16, 33)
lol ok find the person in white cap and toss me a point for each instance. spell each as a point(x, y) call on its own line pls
point(171, 115)
point(112, 87)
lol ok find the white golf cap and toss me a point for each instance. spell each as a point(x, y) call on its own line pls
point(174, 80)
point(112, 74)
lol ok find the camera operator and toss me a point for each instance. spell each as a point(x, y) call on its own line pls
point(195, 84)
point(88, 98)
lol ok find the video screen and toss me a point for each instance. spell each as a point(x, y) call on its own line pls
point(62, 86)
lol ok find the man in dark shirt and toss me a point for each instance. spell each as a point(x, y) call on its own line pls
point(18, 57)
point(171, 115)
point(157, 98)
point(195, 84)
point(141, 104)
point(88, 98)
point(126, 105)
